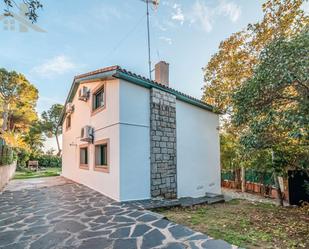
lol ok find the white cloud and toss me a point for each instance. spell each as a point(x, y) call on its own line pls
point(202, 15)
point(305, 7)
point(55, 66)
point(166, 39)
point(177, 14)
point(230, 9)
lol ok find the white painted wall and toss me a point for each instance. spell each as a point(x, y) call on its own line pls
point(134, 142)
point(198, 151)
point(106, 125)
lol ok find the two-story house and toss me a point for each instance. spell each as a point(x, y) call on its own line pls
point(131, 138)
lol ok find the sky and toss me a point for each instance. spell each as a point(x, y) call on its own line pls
point(82, 36)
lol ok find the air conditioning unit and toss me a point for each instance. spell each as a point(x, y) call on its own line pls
point(69, 108)
point(87, 134)
point(84, 93)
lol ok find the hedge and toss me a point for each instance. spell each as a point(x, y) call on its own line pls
point(7, 155)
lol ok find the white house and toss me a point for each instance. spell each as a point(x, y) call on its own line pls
point(131, 138)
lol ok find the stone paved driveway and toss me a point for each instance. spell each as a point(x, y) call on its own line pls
point(70, 215)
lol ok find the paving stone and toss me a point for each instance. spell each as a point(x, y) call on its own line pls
point(216, 244)
point(152, 239)
point(8, 237)
point(161, 223)
point(140, 230)
point(179, 231)
point(96, 243)
point(147, 218)
point(49, 240)
point(70, 225)
point(36, 230)
point(121, 233)
point(19, 245)
point(90, 234)
point(125, 244)
point(174, 245)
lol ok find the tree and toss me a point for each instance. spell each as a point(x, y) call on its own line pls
point(233, 64)
point(273, 105)
point(32, 5)
point(34, 139)
point(50, 120)
point(18, 99)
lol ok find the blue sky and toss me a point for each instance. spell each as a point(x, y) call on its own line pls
point(86, 35)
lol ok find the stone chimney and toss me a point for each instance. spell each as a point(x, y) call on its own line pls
point(162, 73)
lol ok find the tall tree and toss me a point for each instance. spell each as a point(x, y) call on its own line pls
point(50, 120)
point(18, 99)
point(32, 5)
point(233, 64)
point(273, 105)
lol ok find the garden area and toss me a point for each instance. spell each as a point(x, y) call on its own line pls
point(247, 224)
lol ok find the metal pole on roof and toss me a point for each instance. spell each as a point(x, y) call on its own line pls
point(155, 4)
point(148, 33)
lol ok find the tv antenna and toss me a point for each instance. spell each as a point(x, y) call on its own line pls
point(155, 4)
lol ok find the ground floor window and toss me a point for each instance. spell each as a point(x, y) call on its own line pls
point(102, 155)
point(83, 157)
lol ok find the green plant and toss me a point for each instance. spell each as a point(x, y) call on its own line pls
point(7, 155)
point(52, 161)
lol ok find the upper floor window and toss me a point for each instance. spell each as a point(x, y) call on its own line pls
point(98, 99)
point(68, 122)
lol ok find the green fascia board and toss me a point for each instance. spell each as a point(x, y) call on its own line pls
point(150, 84)
point(75, 85)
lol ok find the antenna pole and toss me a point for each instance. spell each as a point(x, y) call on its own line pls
point(148, 32)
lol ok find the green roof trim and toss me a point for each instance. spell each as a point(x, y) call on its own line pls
point(138, 80)
point(117, 72)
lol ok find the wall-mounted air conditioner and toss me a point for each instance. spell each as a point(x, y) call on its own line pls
point(69, 108)
point(87, 134)
point(84, 93)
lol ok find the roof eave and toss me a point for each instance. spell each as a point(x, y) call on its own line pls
point(150, 84)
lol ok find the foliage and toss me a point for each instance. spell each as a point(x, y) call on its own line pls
point(233, 64)
point(273, 105)
point(18, 99)
point(50, 120)
point(7, 155)
point(247, 224)
point(50, 161)
point(34, 139)
point(23, 156)
point(32, 5)
point(27, 174)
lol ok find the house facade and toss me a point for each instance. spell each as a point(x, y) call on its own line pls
point(131, 138)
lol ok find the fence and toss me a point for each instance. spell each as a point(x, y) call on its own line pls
point(252, 175)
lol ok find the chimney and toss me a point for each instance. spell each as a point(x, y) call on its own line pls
point(162, 73)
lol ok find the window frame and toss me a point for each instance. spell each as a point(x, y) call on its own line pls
point(102, 168)
point(81, 165)
point(93, 93)
point(67, 127)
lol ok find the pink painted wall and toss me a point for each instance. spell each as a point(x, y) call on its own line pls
point(106, 126)
point(6, 173)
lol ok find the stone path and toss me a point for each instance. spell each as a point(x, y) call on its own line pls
point(70, 215)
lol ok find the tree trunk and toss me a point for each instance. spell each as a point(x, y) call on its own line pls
point(58, 145)
point(243, 179)
point(5, 116)
point(279, 192)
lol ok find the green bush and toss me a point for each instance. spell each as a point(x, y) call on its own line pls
point(23, 157)
point(50, 161)
point(7, 155)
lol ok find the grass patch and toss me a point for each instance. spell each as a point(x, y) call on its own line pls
point(27, 174)
point(247, 224)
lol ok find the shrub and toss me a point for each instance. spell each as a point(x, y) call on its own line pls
point(7, 155)
point(50, 161)
point(23, 157)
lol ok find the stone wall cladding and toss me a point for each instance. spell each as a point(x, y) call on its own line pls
point(163, 144)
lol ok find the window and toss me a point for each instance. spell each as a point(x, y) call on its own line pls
point(83, 157)
point(68, 122)
point(98, 99)
point(102, 156)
